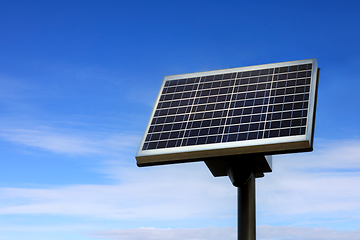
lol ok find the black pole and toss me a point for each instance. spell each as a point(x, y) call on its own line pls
point(246, 210)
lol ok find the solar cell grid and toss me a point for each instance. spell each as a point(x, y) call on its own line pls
point(228, 107)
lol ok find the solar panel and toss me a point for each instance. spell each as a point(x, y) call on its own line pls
point(258, 109)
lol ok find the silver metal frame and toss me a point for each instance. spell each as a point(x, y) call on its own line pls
point(267, 145)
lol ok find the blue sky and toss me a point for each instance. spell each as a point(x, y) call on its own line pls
point(78, 80)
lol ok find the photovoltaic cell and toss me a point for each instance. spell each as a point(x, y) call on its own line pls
point(235, 106)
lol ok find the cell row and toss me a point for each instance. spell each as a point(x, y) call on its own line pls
point(215, 91)
point(243, 136)
point(183, 81)
point(182, 126)
point(274, 111)
point(176, 96)
point(216, 84)
point(170, 119)
point(290, 98)
point(249, 95)
point(268, 108)
point(213, 99)
point(181, 142)
point(229, 82)
point(244, 127)
point(293, 68)
point(253, 80)
point(284, 132)
point(292, 75)
point(202, 86)
point(195, 108)
point(290, 83)
point(210, 107)
point(295, 71)
point(282, 95)
point(206, 123)
point(246, 119)
point(175, 103)
point(290, 90)
point(287, 115)
point(288, 106)
point(269, 117)
point(247, 111)
point(180, 89)
point(252, 87)
point(204, 131)
point(200, 115)
point(230, 137)
point(263, 134)
point(249, 90)
point(255, 73)
point(285, 119)
point(295, 122)
point(215, 88)
point(201, 140)
point(222, 102)
point(292, 79)
point(162, 144)
point(208, 115)
point(172, 111)
point(219, 77)
point(164, 135)
point(268, 125)
point(238, 81)
point(167, 127)
point(249, 102)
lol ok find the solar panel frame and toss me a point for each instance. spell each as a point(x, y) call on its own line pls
point(270, 145)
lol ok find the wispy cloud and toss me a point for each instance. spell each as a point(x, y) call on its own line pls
point(209, 233)
point(76, 143)
point(305, 233)
point(143, 195)
point(189, 191)
point(322, 182)
point(226, 233)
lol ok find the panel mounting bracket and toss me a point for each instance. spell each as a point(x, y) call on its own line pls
point(237, 166)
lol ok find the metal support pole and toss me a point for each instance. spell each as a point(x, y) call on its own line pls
point(246, 210)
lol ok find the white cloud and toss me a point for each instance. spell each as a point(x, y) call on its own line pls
point(156, 193)
point(188, 191)
point(45, 227)
point(209, 233)
point(322, 182)
point(79, 143)
point(304, 233)
point(226, 233)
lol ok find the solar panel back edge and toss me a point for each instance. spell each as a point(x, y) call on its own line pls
point(183, 151)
